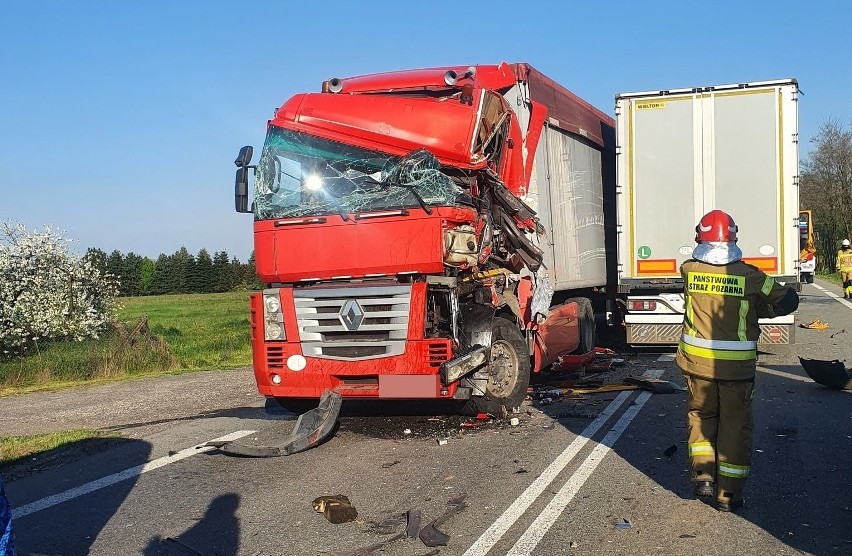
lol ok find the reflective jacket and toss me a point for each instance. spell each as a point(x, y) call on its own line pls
point(844, 260)
point(720, 329)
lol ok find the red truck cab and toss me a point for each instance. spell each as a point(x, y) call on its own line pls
point(399, 257)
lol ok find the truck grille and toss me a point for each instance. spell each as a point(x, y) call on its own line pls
point(353, 323)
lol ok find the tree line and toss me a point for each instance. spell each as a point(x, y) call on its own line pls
point(826, 188)
point(180, 272)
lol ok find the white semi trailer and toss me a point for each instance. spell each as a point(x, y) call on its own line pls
point(684, 152)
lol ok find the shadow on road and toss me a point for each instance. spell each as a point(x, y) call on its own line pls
point(218, 532)
point(71, 527)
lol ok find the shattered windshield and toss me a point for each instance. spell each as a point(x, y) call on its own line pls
point(303, 175)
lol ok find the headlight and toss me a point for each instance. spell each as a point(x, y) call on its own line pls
point(273, 305)
point(274, 331)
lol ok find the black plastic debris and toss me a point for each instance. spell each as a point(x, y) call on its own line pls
point(828, 373)
point(669, 452)
point(430, 534)
point(654, 385)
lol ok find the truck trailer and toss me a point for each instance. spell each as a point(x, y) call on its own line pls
point(684, 152)
point(429, 234)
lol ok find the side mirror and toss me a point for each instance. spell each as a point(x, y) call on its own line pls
point(244, 158)
point(241, 188)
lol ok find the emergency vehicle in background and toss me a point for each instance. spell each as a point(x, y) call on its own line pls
point(435, 233)
point(684, 152)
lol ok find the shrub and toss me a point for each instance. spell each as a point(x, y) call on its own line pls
point(46, 292)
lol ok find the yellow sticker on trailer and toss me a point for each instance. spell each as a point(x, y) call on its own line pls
point(650, 105)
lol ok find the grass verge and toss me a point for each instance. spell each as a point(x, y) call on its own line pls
point(833, 277)
point(13, 449)
point(154, 335)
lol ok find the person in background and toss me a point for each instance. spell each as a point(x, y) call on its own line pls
point(717, 353)
point(844, 267)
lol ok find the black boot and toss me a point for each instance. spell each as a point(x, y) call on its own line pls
point(729, 502)
point(704, 489)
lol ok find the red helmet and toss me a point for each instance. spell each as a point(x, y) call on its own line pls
point(716, 226)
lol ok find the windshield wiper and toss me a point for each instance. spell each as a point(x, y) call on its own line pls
point(412, 190)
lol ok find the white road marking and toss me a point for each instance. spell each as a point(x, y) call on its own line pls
point(834, 295)
point(782, 374)
point(532, 536)
point(791, 376)
point(110, 480)
point(495, 532)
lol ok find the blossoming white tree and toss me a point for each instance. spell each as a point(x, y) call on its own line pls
point(48, 293)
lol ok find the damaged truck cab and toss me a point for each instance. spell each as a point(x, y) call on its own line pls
point(433, 233)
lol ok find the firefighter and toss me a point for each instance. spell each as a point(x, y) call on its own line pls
point(717, 354)
point(844, 267)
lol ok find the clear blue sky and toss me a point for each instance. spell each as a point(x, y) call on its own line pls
point(120, 121)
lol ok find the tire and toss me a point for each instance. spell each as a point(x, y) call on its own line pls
point(588, 328)
point(508, 370)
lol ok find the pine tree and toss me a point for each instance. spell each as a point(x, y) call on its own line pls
point(115, 267)
point(132, 273)
point(204, 272)
point(184, 264)
point(221, 281)
point(146, 276)
point(162, 279)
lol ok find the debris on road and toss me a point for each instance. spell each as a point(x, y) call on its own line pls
point(828, 373)
point(413, 522)
point(655, 385)
point(430, 534)
point(624, 524)
point(514, 421)
point(669, 452)
point(815, 325)
point(336, 509)
point(311, 429)
point(390, 464)
point(442, 441)
point(841, 331)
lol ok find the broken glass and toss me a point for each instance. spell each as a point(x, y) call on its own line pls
point(304, 175)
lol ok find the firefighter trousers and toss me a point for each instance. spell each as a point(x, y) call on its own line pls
point(719, 423)
point(846, 280)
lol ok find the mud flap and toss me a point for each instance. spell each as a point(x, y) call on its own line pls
point(828, 373)
point(311, 428)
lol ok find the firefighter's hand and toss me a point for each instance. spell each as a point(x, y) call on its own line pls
point(765, 311)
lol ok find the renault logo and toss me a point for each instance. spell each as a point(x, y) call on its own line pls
point(351, 315)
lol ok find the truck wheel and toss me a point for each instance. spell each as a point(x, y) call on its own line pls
point(588, 329)
point(508, 371)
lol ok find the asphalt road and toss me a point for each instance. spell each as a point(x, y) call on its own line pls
point(603, 475)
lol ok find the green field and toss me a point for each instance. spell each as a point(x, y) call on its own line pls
point(183, 333)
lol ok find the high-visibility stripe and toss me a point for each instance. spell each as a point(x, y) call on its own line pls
point(690, 317)
point(767, 285)
point(741, 328)
point(733, 345)
point(731, 470)
point(701, 449)
point(720, 354)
